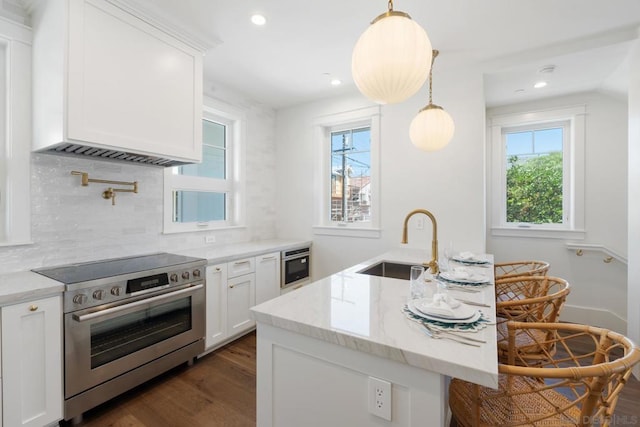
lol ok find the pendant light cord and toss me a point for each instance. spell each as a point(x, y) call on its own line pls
point(433, 59)
point(390, 5)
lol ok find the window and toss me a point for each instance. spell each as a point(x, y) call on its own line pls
point(538, 172)
point(204, 196)
point(346, 173)
point(15, 130)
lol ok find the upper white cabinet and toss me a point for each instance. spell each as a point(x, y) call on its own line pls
point(267, 277)
point(107, 78)
point(32, 363)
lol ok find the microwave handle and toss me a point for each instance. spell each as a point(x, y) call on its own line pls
point(85, 317)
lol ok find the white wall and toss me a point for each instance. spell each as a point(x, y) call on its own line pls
point(633, 300)
point(599, 290)
point(71, 223)
point(449, 183)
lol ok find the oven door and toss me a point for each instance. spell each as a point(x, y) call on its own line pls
point(295, 269)
point(104, 342)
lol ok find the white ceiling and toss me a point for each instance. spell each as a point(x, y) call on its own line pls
point(291, 59)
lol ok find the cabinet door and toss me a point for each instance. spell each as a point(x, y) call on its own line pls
point(241, 267)
point(240, 298)
point(32, 363)
point(216, 327)
point(267, 277)
point(131, 85)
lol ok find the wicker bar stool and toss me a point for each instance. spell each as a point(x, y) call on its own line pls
point(504, 270)
point(535, 299)
point(579, 385)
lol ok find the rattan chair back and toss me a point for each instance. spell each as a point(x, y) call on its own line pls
point(577, 385)
point(537, 299)
point(504, 270)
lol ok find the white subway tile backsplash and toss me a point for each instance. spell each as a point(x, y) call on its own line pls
point(72, 223)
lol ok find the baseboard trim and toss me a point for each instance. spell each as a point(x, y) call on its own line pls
point(594, 317)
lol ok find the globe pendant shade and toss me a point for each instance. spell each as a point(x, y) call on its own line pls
point(392, 59)
point(431, 129)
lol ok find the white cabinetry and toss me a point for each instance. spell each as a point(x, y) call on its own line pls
point(241, 295)
point(267, 277)
point(107, 78)
point(32, 363)
point(216, 317)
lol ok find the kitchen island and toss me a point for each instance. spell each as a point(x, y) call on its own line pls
point(321, 349)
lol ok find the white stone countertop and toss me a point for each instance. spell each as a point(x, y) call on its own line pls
point(364, 313)
point(230, 252)
point(25, 286)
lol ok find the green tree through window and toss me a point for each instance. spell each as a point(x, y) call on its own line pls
point(534, 189)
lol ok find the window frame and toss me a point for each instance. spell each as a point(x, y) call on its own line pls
point(572, 119)
point(322, 128)
point(233, 185)
point(15, 159)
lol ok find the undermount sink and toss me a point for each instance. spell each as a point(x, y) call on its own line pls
point(388, 269)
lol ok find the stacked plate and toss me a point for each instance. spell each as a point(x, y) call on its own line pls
point(462, 276)
point(469, 259)
point(443, 313)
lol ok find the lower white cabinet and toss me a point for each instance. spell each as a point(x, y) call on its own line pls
point(216, 316)
point(241, 296)
point(267, 277)
point(32, 363)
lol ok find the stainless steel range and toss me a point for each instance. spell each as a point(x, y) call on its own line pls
point(125, 321)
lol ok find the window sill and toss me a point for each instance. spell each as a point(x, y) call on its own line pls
point(346, 231)
point(16, 243)
point(538, 233)
point(204, 228)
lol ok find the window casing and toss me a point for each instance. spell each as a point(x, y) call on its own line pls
point(346, 174)
point(207, 195)
point(528, 136)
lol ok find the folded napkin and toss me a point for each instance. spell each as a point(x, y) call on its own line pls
point(440, 305)
point(464, 273)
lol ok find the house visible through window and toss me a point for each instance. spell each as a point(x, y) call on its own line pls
point(351, 175)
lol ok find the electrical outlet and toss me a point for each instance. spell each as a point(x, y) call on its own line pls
point(419, 223)
point(380, 398)
point(209, 239)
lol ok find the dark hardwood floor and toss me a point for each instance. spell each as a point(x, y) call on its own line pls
point(219, 390)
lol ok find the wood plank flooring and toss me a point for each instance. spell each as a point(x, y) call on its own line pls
point(219, 390)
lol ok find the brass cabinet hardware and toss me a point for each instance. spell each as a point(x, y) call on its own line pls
point(109, 193)
point(579, 252)
point(608, 259)
point(33, 307)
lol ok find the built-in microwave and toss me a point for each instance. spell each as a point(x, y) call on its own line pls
point(296, 267)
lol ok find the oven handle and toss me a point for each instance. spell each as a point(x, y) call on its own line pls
point(85, 317)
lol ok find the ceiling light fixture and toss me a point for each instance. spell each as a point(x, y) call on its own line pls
point(433, 128)
point(336, 82)
point(540, 84)
point(392, 58)
point(258, 19)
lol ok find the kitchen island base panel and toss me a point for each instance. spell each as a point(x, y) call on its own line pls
point(306, 381)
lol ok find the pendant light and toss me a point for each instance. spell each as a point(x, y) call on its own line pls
point(433, 127)
point(391, 59)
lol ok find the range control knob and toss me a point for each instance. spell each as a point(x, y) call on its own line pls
point(185, 275)
point(173, 277)
point(80, 299)
point(196, 273)
point(115, 291)
point(99, 294)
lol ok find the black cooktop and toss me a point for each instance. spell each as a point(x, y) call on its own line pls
point(82, 272)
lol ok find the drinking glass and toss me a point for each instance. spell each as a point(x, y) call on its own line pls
point(417, 285)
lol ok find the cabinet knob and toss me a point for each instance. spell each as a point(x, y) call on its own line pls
point(33, 307)
point(230, 286)
point(217, 268)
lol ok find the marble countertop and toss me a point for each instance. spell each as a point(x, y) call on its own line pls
point(230, 252)
point(25, 286)
point(364, 313)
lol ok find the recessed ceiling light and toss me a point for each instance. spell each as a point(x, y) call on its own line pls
point(540, 84)
point(258, 19)
point(336, 82)
point(519, 90)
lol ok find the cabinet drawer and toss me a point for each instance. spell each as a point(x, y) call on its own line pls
point(240, 267)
